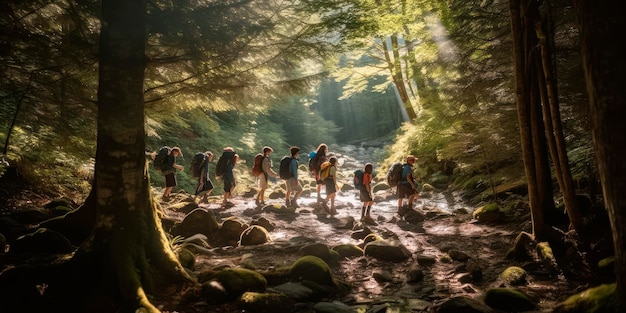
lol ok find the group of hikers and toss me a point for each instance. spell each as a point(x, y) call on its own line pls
point(321, 165)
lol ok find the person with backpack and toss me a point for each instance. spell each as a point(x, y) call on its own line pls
point(292, 182)
point(406, 186)
point(168, 169)
point(224, 170)
point(328, 174)
point(205, 185)
point(265, 172)
point(315, 164)
point(365, 193)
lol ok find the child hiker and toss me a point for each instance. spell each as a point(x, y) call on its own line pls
point(365, 193)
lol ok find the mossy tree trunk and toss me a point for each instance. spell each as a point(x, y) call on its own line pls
point(127, 245)
point(604, 61)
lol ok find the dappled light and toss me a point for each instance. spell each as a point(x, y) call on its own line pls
point(500, 115)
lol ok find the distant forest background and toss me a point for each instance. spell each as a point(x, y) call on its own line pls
point(431, 78)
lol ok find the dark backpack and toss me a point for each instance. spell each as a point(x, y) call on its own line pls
point(284, 170)
point(225, 159)
point(358, 179)
point(257, 167)
point(197, 163)
point(160, 160)
point(394, 175)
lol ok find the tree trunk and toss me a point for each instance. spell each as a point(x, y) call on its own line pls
point(524, 113)
point(552, 116)
point(128, 245)
point(396, 74)
point(601, 26)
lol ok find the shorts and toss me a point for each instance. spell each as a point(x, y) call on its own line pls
point(292, 185)
point(170, 180)
point(330, 186)
point(364, 195)
point(228, 184)
point(208, 185)
point(262, 181)
point(405, 190)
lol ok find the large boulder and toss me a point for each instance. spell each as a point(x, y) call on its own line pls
point(198, 221)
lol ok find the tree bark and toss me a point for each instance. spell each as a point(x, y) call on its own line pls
point(524, 111)
point(604, 63)
point(552, 116)
point(396, 74)
point(127, 243)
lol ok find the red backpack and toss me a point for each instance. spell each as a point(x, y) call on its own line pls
point(257, 167)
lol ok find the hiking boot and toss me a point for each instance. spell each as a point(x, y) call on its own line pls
point(320, 199)
point(294, 204)
point(288, 203)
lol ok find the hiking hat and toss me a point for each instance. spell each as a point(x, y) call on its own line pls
point(410, 157)
point(179, 151)
point(267, 148)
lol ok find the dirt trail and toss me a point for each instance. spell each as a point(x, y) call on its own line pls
point(442, 231)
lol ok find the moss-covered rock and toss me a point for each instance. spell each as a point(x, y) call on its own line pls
point(508, 300)
point(254, 235)
point(228, 284)
point(231, 229)
point(183, 206)
point(198, 221)
point(514, 275)
point(594, 300)
point(519, 251)
point(278, 209)
point(348, 251)
point(186, 258)
point(488, 213)
point(265, 302)
point(313, 269)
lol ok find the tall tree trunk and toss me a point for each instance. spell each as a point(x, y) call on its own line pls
point(396, 74)
point(127, 244)
point(604, 62)
point(552, 116)
point(524, 113)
